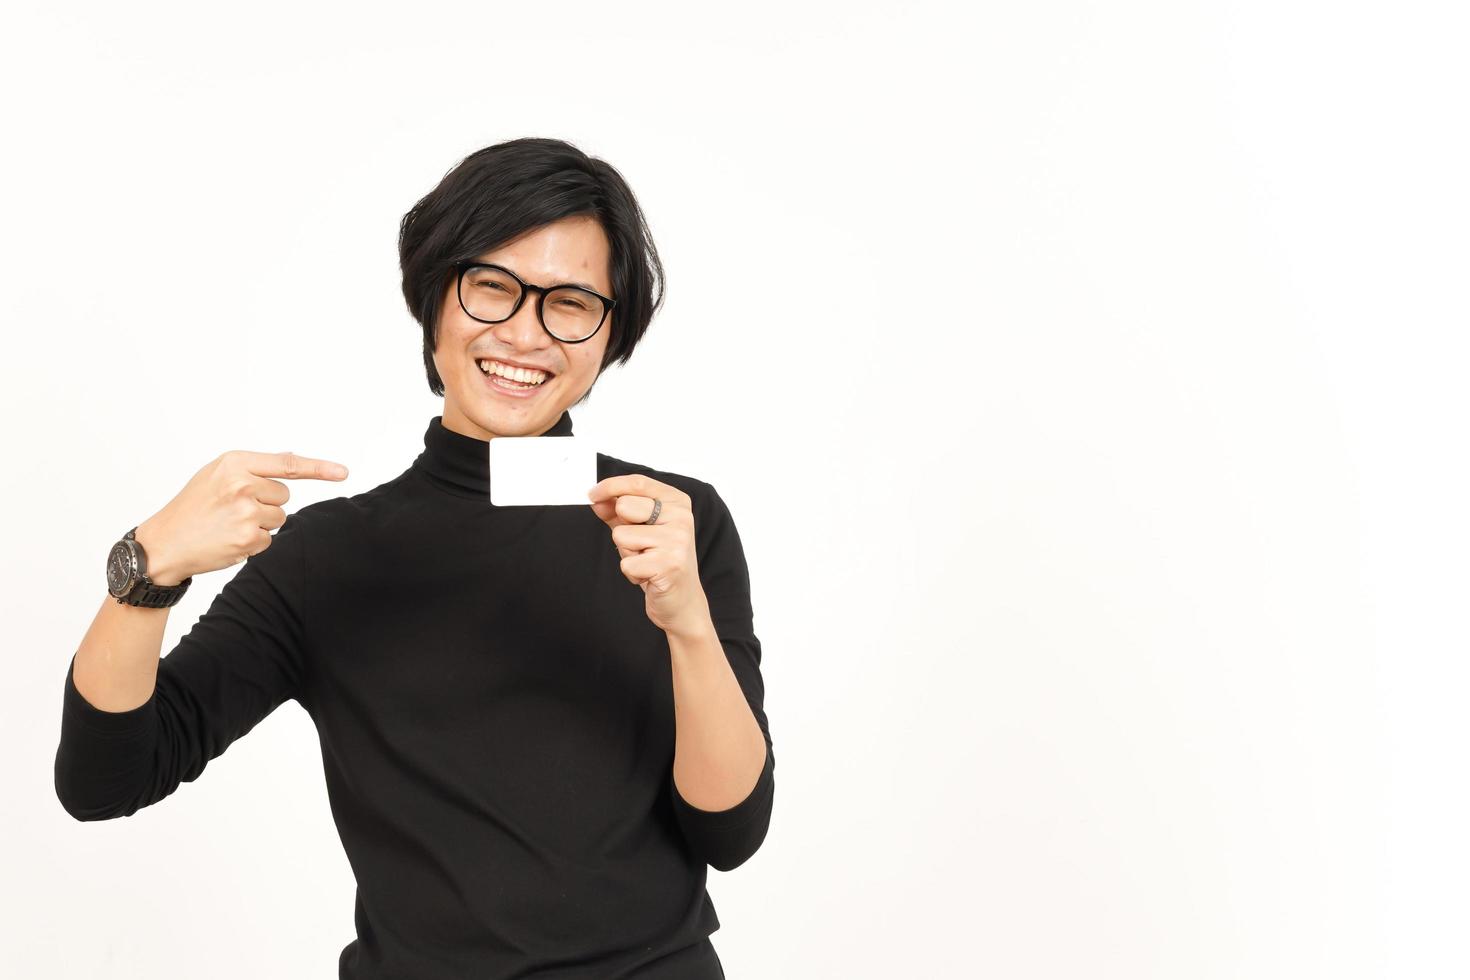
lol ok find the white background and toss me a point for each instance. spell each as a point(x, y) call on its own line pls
point(1086, 381)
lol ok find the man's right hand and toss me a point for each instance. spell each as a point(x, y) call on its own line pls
point(225, 513)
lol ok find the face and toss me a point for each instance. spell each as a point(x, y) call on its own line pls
point(571, 250)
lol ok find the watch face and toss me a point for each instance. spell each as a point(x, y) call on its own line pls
point(119, 569)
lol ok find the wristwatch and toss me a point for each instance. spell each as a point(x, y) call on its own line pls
point(127, 577)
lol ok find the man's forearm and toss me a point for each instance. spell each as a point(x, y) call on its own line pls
point(719, 748)
point(116, 664)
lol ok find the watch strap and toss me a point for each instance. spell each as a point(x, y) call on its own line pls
point(153, 596)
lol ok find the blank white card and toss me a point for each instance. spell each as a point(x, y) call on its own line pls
point(538, 470)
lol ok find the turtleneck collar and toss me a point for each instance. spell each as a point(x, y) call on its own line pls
point(459, 463)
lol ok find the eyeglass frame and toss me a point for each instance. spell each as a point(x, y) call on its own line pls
point(460, 268)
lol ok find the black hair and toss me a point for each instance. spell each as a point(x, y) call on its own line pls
point(500, 192)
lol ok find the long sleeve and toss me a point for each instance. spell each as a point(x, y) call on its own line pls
point(241, 660)
point(725, 839)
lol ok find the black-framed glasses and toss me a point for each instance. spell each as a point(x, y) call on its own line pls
point(493, 294)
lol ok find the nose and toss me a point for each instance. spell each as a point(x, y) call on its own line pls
point(524, 331)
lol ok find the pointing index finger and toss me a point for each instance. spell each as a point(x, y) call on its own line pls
point(293, 467)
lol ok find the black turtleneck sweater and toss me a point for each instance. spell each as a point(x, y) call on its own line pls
point(496, 720)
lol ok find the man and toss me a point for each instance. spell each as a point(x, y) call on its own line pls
point(530, 762)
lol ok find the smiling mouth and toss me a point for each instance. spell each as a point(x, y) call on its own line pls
point(496, 375)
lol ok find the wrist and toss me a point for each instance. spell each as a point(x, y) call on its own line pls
point(162, 569)
point(694, 628)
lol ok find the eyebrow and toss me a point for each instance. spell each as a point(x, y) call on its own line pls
point(565, 282)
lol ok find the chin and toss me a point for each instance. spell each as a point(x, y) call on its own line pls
point(510, 420)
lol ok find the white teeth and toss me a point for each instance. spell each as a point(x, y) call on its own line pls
point(513, 373)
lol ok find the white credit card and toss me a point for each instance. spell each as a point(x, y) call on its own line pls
point(536, 470)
